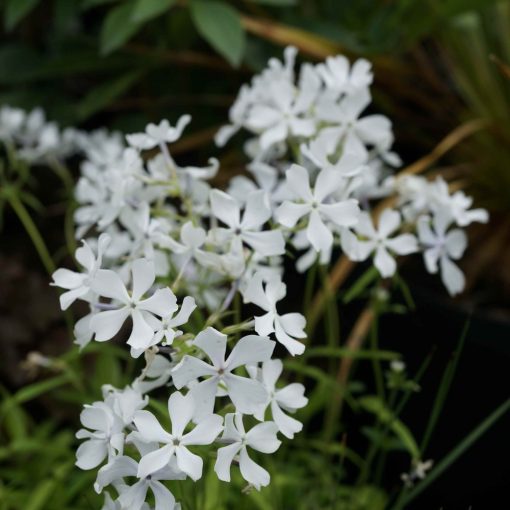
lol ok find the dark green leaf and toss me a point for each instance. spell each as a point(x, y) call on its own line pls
point(275, 3)
point(118, 27)
point(16, 10)
point(220, 25)
point(105, 94)
point(145, 10)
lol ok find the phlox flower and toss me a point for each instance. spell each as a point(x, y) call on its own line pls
point(175, 443)
point(107, 283)
point(261, 437)
point(78, 285)
point(290, 398)
point(286, 327)
point(441, 246)
point(314, 205)
point(246, 394)
point(379, 240)
point(246, 227)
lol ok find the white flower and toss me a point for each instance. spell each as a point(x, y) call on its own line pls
point(107, 324)
point(79, 284)
point(315, 205)
point(181, 410)
point(248, 227)
point(124, 403)
point(357, 132)
point(133, 497)
point(262, 438)
point(158, 134)
point(247, 395)
point(286, 111)
point(379, 241)
point(341, 78)
point(321, 150)
point(164, 329)
point(290, 398)
point(191, 240)
point(441, 246)
point(286, 327)
point(156, 374)
point(106, 438)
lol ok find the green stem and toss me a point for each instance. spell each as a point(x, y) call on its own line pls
point(32, 231)
point(376, 364)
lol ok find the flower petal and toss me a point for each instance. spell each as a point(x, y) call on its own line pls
point(224, 459)
point(188, 462)
point(163, 302)
point(180, 409)
point(225, 208)
point(149, 428)
point(318, 234)
point(106, 325)
point(107, 283)
point(252, 472)
point(143, 277)
point(249, 350)
point(213, 343)
point(206, 431)
point(154, 461)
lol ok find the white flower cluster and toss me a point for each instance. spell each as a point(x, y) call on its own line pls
point(37, 140)
point(325, 164)
point(163, 243)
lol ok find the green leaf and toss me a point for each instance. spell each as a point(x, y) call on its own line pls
point(444, 389)
point(376, 406)
point(220, 25)
point(275, 3)
point(145, 10)
point(105, 94)
point(118, 27)
point(16, 10)
point(361, 284)
point(342, 352)
point(39, 388)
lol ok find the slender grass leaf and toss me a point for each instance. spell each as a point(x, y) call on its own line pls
point(220, 25)
point(35, 390)
point(361, 284)
point(340, 352)
point(377, 407)
point(443, 390)
point(454, 454)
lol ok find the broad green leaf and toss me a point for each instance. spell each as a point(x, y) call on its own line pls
point(16, 10)
point(105, 94)
point(275, 3)
point(376, 406)
point(220, 25)
point(87, 4)
point(118, 27)
point(145, 10)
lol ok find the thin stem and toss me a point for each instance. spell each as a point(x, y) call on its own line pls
point(32, 231)
point(376, 364)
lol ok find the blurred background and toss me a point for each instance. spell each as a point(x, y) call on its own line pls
point(442, 74)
